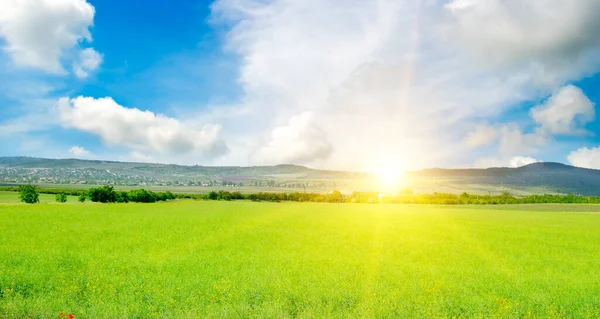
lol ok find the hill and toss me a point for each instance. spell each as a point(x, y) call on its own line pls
point(533, 178)
point(74, 171)
point(550, 177)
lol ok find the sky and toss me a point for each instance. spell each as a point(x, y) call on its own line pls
point(357, 85)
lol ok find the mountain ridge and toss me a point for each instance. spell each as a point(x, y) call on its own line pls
point(27, 159)
point(551, 177)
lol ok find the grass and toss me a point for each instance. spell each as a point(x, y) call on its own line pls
point(13, 197)
point(242, 259)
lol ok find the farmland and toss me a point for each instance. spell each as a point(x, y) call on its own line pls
point(13, 197)
point(188, 259)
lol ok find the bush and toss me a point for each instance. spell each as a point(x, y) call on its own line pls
point(169, 195)
point(29, 194)
point(237, 196)
point(335, 197)
point(61, 197)
point(122, 197)
point(105, 194)
point(142, 196)
point(82, 198)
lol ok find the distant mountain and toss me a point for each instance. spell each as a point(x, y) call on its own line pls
point(552, 177)
point(533, 178)
point(74, 171)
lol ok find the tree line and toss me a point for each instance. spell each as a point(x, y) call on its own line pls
point(107, 194)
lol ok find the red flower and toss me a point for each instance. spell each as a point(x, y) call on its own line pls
point(70, 316)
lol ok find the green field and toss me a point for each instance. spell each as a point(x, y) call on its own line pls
point(13, 197)
point(241, 259)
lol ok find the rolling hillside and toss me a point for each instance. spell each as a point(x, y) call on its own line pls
point(533, 178)
point(553, 177)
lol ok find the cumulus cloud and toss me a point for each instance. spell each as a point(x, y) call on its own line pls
point(513, 141)
point(482, 135)
point(80, 152)
point(585, 157)
point(552, 39)
point(396, 79)
point(89, 60)
point(140, 131)
point(565, 112)
point(301, 141)
point(40, 33)
point(519, 161)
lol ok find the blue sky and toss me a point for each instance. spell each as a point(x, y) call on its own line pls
point(151, 57)
point(453, 83)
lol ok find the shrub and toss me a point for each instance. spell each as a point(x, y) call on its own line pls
point(142, 196)
point(237, 195)
point(82, 197)
point(122, 197)
point(169, 195)
point(29, 194)
point(61, 197)
point(335, 197)
point(105, 194)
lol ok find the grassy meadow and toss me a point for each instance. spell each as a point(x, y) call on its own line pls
point(191, 259)
point(13, 197)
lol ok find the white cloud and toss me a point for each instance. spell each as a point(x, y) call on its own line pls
point(300, 141)
point(460, 4)
point(140, 131)
point(513, 141)
point(392, 79)
point(585, 157)
point(80, 152)
point(516, 161)
point(40, 33)
point(89, 60)
point(565, 112)
point(519, 161)
point(553, 40)
point(368, 86)
point(482, 135)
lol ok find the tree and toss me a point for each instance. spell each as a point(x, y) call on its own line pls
point(213, 195)
point(61, 198)
point(142, 196)
point(82, 197)
point(122, 197)
point(105, 194)
point(336, 197)
point(28, 194)
point(169, 195)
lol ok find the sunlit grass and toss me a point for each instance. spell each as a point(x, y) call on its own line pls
point(13, 197)
point(242, 259)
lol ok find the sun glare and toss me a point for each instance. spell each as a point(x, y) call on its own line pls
point(390, 176)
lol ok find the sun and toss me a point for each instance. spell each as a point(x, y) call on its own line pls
point(390, 176)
